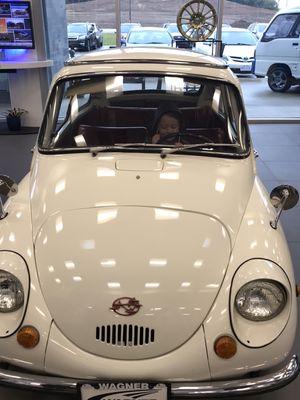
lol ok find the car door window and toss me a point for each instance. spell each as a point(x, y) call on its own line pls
point(296, 30)
point(281, 27)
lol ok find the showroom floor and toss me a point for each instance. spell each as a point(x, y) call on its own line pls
point(278, 147)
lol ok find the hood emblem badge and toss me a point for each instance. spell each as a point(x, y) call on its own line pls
point(126, 306)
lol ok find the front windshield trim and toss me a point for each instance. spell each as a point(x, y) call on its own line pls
point(244, 151)
point(155, 150)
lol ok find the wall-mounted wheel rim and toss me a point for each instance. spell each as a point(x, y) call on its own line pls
point(200, 19)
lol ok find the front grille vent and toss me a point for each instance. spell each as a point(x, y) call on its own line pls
point(242, 59)
point(125, 335)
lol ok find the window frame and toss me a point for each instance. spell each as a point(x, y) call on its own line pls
point(41, 135)
point(266, 39)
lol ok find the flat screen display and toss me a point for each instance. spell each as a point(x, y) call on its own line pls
point(16, 30)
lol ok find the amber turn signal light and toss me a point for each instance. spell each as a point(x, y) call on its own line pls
point(225, 347)
point(28, 337)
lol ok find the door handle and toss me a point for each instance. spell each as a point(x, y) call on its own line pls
point(295, 44)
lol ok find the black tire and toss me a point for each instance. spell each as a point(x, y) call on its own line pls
point(279, 79)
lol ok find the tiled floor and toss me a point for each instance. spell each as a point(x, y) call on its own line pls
point(279, 162)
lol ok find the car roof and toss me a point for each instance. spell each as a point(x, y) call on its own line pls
point(225, 29)
point(131, 24)
point(148, 28)
point(148, 59)
point(293, 10)
point(151, 54)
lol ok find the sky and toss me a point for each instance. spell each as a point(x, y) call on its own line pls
point(289, 3)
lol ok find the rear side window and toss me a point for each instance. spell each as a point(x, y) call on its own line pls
point(281, 27)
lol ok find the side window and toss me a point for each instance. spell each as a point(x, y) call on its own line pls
point(296, 30)
point(236, 123)
point(280, 27)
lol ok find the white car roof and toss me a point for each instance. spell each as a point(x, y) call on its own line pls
point(156, 60)
point(148, 28)
point(150, 54)
point(294, 10)
point(234, 29)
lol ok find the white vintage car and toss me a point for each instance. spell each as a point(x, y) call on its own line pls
point(134, 268)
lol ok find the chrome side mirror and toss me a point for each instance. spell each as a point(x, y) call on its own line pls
point(283, 197)
point(8, 188)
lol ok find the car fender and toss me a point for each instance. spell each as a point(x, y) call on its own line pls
point(255, 240)
point(16, 247)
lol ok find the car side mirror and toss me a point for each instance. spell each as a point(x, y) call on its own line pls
point(8, 188)
point(283, 197)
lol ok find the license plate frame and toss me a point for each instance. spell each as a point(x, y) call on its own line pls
point(121, 390)
point(246, 68)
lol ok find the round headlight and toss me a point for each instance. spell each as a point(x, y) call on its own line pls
point(11, 292)
point(260, 300)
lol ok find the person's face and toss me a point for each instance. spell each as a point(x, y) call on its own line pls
point(168, 125)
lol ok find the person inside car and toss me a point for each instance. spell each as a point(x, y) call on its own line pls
point(167, 123)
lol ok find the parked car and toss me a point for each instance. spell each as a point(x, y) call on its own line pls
point(148, 268)
point(178, 39)
point(126, 28)
point(149, 36)
point(238, 49)
point(277, 53)
point(257, 28)
point(99, 33)
point(82, 36)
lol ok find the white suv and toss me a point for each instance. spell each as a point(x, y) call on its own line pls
point(278, 51)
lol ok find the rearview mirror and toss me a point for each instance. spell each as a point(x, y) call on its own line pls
point(8, 188)
point(287, 193)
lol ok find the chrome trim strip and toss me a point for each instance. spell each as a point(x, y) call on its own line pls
point(271, 381)
point(240, 387)
point(72, 62)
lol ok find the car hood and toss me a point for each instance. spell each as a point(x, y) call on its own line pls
point(219, 187)
point(239, 51)
point(115, 227)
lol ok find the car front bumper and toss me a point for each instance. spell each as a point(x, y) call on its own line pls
point(241, 67)
point(77, 43)
point(245, 386)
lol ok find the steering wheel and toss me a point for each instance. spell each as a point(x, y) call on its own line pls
point(183, 138)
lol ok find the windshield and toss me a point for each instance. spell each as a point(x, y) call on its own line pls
point(239, 38)
point(144, 113)
point(149, 37)
point(77, 28)
point(280, 27)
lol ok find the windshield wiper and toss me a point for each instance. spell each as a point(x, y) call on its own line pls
point(120, 146)
point(207, 146)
